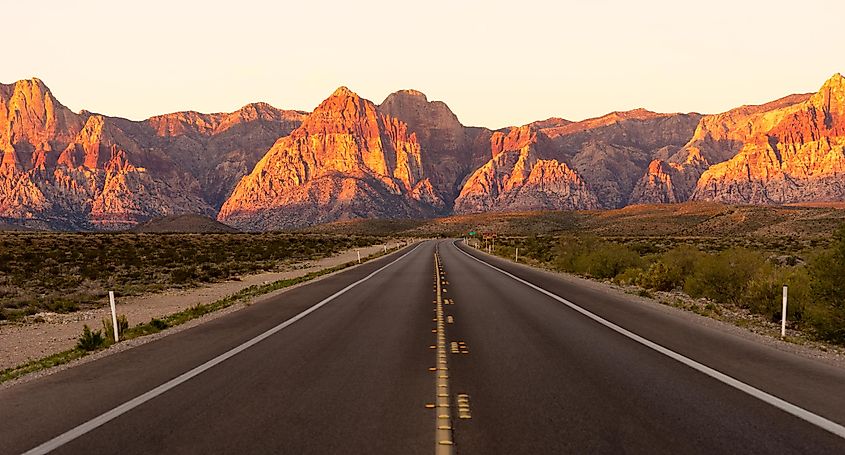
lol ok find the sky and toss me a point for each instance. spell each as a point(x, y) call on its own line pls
point(495, 63)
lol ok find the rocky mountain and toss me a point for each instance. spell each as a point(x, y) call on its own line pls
point(557, 164)
point(264, 168)
point(796, 155)
point(84, 171)
point(786, 151)
point(347, 160)
point(451, 150)
point(220, 149)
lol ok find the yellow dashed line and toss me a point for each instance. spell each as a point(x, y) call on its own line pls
point(463, 406)
point(443, 423)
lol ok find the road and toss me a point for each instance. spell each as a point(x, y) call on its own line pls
point(352, 364)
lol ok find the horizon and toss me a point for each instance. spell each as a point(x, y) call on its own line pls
point(308, 111)
point(493, 64)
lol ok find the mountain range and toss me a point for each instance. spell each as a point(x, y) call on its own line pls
point(263, 168)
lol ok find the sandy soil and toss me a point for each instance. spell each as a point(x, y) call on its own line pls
point(20, 343)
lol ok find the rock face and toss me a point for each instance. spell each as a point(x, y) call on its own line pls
point(794, 153)
point(450, 150)
point(220, 149)
point(264, 168)
point(347, 160)
point(84, 171)
point(717, 138)
point(596, 162)
point(518, 179)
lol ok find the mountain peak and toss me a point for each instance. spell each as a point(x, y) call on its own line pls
point(836, 84)
point(831, 96)
point(413, 93)
point(344, 92)
point(32, 85)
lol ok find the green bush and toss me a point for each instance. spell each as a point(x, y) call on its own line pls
point(158, 324)
point(724, 277)
point(90, 340)
point(825, 310)
point(632, 275)
point(656, 277)
point(608, 260)
point(764, 294)
point(108, 327)
point(593, 257)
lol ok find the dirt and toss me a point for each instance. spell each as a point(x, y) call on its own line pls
point(44, 334)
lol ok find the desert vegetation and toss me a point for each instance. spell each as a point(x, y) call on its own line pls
point(739, 272)
point(65, 272)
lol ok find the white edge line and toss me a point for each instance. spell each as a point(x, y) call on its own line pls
point(783, 405)
point(107, 416)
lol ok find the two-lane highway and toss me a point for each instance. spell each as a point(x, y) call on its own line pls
point(358, 363)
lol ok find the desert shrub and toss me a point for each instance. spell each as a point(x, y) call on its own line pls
point(764, 293)
point(108, 327)
point(608, 260)
point(158, 324)
point(825, 310)
point(182, 275)
point(632, 275)
point(90, 340)
point(723, 277)
point(63, 271)
point(62, 305)
point(657, 278)
point(594, 257)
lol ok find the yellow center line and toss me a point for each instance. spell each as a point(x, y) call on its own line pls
point(443, 443)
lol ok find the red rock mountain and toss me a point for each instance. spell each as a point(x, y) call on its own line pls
point(558, 164)
point(347, 160)
point(83, 171)
point(794, 153)
point(451, 150)
point(264, 168)
point(743, 155)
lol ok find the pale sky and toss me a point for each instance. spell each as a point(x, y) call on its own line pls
point(494, 63)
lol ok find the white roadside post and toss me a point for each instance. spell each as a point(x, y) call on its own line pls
point(359, 255)
point(516, 257)
point(783, 313)
point(385, 248)
point(113, 316)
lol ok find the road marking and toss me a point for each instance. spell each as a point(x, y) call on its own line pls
point(781, 404)
point(108, 416)
point(443, 422)
point(463, 406)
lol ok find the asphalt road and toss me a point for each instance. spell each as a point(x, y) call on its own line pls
point(584, 372)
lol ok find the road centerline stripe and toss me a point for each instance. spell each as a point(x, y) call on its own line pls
point(768, 398)
point(444, 444)
point(116, 412)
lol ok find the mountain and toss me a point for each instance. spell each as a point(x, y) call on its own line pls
point(219, 149)
point(347, 160)
point(557, 164)
point(798, 155)
point(451, 150)
point(262, 168)
point(779, 152)
point(89, 171)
